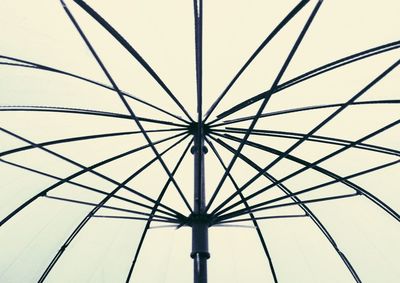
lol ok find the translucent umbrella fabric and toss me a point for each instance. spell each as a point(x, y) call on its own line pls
point(332, 117)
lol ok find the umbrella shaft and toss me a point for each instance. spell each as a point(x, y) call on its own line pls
point(200, 269)
point(200, 252)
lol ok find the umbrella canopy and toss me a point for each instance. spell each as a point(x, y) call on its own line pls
point(259, 138)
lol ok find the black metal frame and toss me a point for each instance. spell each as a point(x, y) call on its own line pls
point(203, 132)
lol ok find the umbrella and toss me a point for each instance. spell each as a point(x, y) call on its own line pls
point(259, 138)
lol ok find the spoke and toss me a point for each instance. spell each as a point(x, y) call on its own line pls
point(259, 207)
point(266, 99)
point(307, 108)
point(93, 212)
point(133, 218)
point(84, 170)
point(274, 32)
point(252, 217)
point(313, 138)
point(36, 66)
point(304, 207)
point(81, 138)
point(313, 188)
point(308, 75)
point(150, 219)
point(82, 112)
point(320, 125)
point(83, 186)
point(263, 218)
point(308, 165)
point(75, 201)
point(130, 49)
point(108, 75)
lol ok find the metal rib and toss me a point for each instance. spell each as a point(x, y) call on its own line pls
point(308, 75)
point(89, 188)
point(252, 217)
point(30, 108)
point(303, 206)
point(308, 165)
point(313, 138)
point(324, 122)
point(76, 201)
point(36, 66)
point(266, 98)
point(131, 50)
point(150, 219)
point(84, 170)
point(87, 218)
point(123, 100)
point(306, 108)
point(274, 32)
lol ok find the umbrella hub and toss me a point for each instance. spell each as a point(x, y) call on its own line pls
point(194, 126)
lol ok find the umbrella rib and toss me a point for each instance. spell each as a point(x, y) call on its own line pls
point(150, 219)
point(266, 98)
point(274, 32)
point(319, 126)
point(314, 165)
point(131, 50)
point(123, 100)
point(81, 185)
point(132, 218)
point(75, 201)
point(91, 213)
point(264, 218)
point(36, 66)
point(35, 108)
point(310, 74)
point(313, 188)
point(303, 206)
point(314, 138)
point(81, 138)
point(306, 108)
point(259, 207)
point(84, 170)
point(252, 217)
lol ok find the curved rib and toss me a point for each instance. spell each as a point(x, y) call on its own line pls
point(89, 188)
point(274, 32)
point(75, 201)
point(28, 108)
point(84, 170)
point(115, 86)
point(131, 50)
point(86, 220)
point(264, 218)
point(81, 138)
point(313, 138)
point(327, 120)
point(303, 206)
point(314, 166)
point(150, 219)
point(306, 108)
point(262, 205)
point(310, 74)
point(285, 65)
point(252, 217)
point(36, 66)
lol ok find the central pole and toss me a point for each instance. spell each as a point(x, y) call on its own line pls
point(200, 252)
point(199, 219)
